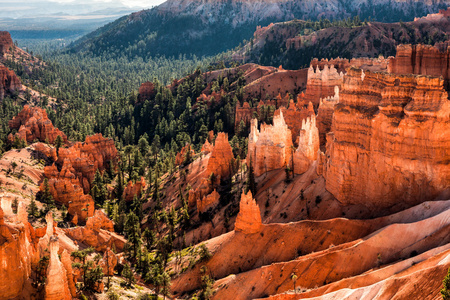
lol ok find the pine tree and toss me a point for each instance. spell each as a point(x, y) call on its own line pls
point(127, 273)
point(32, 208)
point(133, 232)
point(445, 292)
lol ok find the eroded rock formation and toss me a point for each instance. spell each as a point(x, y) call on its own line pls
point(34, 124)
point(181, 156)
point(66, 189)
point(321, 83)
point(294, 116)
point(56, 284)
point(9, 82)
point(96, 153)
point(390, 140)
point(221, 157)
point(422, 60)
point(325, 115)
point(207, 202)
point(98, 233)
point(308, 145)
point(71, 185)
point(6, 42)
point(134, 189)
point(271, 148)
point(248, 220)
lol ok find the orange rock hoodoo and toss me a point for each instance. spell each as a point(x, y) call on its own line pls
point(325, 115)
point(181, 156)
point(209, 201)
point(248, 220)
point(321, 83)
point(390, 140)
point(56, 284)
point(294, 116)
point(6, 42)
point(34, 124)
point(270, 148)
point(134, 189)
point(308, 145)
point(9, 82)
point(221, 157)
point(71, 185)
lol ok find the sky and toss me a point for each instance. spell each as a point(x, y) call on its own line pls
point(28, 8)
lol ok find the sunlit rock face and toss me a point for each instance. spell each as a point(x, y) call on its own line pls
point(33, 124)
point(248, 220)
point(390, 140)
point(271, 147)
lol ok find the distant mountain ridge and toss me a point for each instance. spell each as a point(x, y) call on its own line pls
point(207, 27)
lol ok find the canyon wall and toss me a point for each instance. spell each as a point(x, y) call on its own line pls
point(421, 59)
point(390, 140)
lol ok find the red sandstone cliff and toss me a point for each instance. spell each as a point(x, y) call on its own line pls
point(421, 59)
point(34, 124)
point(390, 140)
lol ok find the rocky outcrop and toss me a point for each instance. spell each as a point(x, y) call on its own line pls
point(325, 115)
point(66, 189)
point(16, 255)
point(248, 220)
point(67, 263)
point(71, 185)
point(181, 156)
point(98, 233)
point(221, 158)
point(134, 189)
point(56, 284)
point(146, 91)
point(271, 148)
point(96, 153)
point(6, 42)
point(390, 140)
point(308, 145)
point(9, 82)
point(207, 147)
point(321, 83)
point(34, 124)
point(207, 202)
point(422, 60)
point(294, 116)
point(46, 150)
